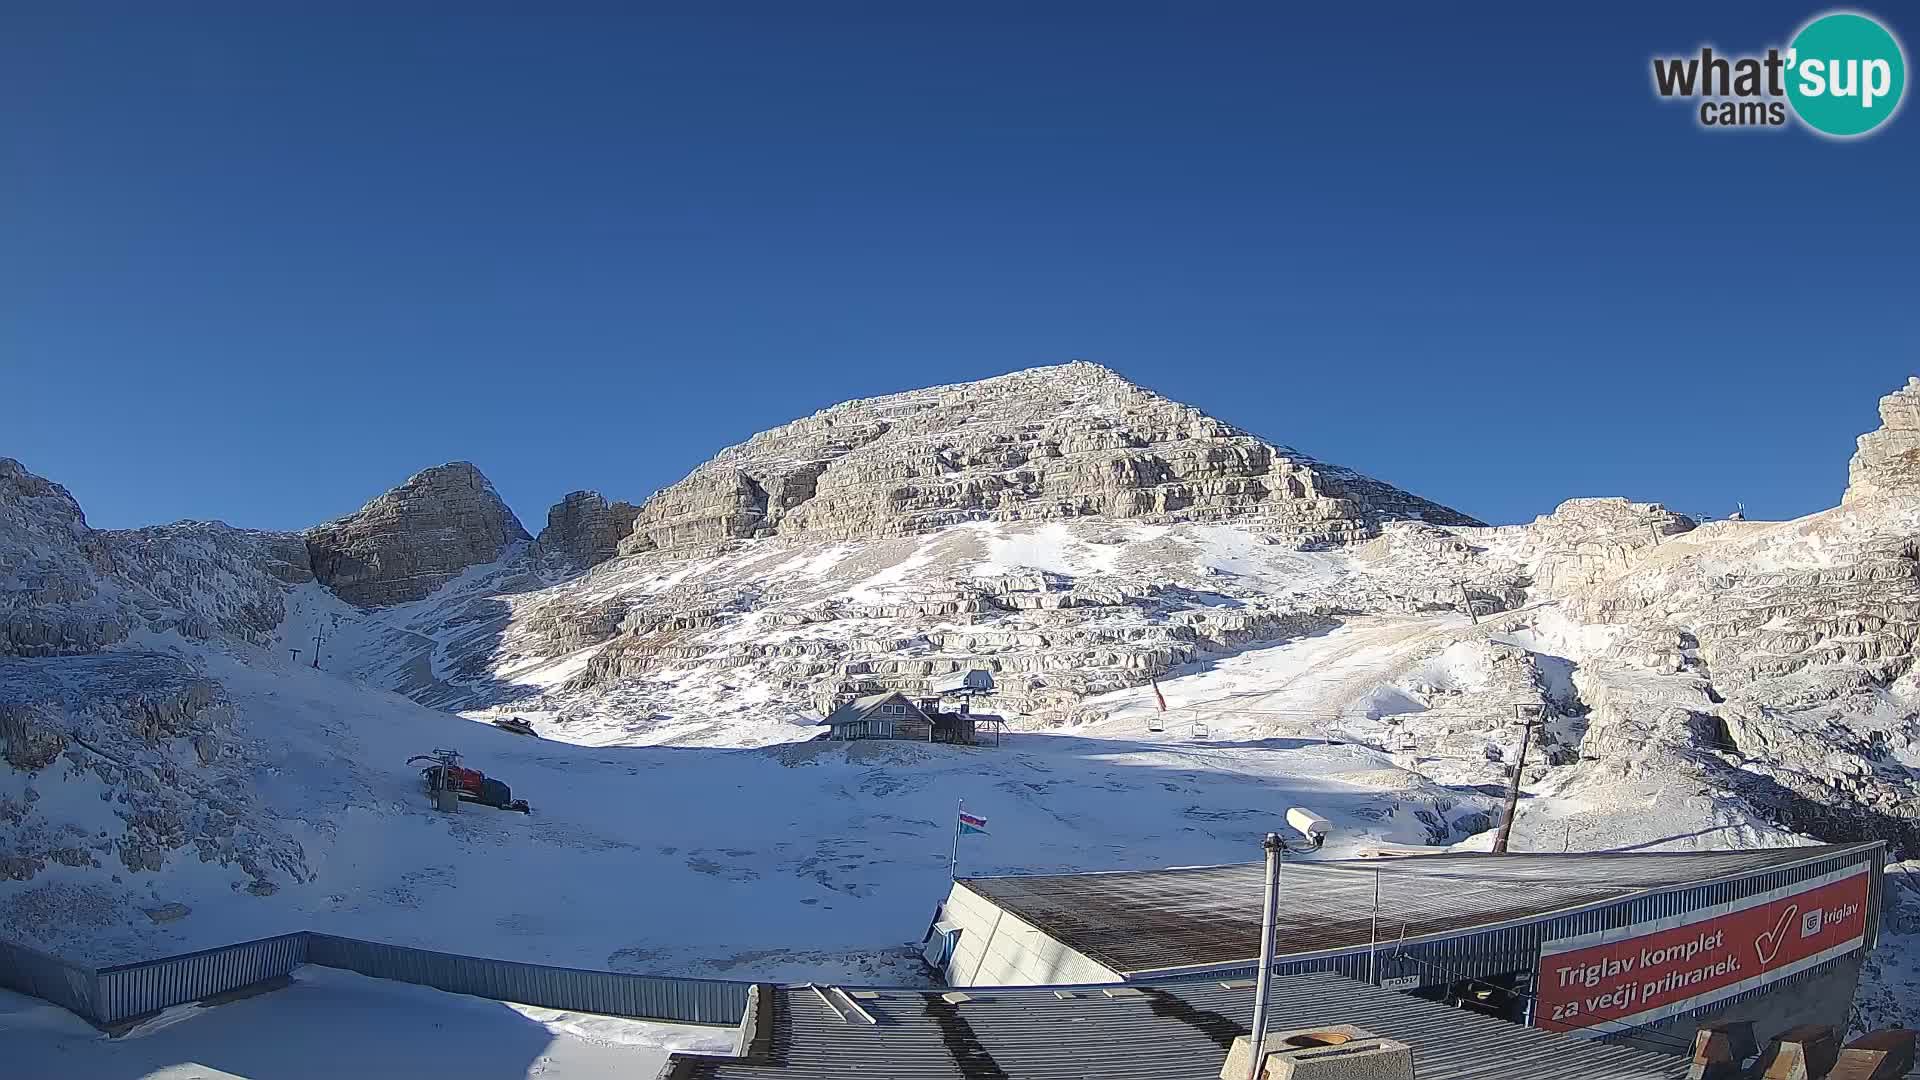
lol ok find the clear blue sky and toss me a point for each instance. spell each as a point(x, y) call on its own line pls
point(262, 268)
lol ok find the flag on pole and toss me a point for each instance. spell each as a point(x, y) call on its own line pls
point(972, 823)
point(1157, 695)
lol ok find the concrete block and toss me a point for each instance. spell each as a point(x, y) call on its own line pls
point(1330, 1052)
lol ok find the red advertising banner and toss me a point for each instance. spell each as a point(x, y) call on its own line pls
point(1668, 968)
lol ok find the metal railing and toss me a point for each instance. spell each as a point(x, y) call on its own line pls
point(110, 995)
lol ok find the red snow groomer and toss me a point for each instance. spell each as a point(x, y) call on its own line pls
point(448, 784)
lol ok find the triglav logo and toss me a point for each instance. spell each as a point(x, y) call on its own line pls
point(1843, 75)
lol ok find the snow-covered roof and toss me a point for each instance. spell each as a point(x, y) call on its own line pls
point(1208, 917)
point(862, 707)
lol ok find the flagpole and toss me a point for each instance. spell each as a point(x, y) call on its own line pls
point(953, 861)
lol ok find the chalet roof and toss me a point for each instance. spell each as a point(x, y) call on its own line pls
point(861, 708)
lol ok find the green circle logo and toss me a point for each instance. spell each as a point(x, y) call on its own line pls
point(1845, 74)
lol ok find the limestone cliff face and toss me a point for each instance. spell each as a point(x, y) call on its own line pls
point(584, 529)
point(51, 564)
point(1071, 441)
point(68, 589)
point(1586, 540)
point(415, 538)
point(1888, 460)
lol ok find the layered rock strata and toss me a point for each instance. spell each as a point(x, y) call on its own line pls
point(415, 538)
point(1066, 442)
point(584, 529)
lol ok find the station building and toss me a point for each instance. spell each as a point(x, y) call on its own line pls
point(1628, 947)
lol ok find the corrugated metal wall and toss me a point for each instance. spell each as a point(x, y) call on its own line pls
point(110, 995)
point(693, 1001)
point(137, 989)
point(45, 976)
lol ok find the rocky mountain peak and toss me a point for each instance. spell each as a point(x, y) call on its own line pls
point(1888, 459)
point(415, 538)
point(1068, 441)
point(23, 493)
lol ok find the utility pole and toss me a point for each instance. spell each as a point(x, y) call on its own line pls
point(1530, 717)
point(1467, 600)
point(953, 861)
point(1269, 916)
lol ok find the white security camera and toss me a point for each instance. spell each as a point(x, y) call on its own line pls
point(1309, 824)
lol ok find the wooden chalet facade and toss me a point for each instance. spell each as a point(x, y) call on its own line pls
point(880, 716)
point(892, 715)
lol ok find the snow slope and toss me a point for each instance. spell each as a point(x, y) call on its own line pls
point(808, 860)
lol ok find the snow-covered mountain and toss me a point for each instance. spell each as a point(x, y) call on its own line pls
point(1728, 684)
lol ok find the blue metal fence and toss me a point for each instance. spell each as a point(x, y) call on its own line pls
point(45, 976)
point(131, 990)
point(693, 1001)
point(113, 994)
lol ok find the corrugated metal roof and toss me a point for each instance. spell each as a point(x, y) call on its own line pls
point(1177, 1031)
point(1153, 920)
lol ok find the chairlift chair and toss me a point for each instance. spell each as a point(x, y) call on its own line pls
point(1200, 732)
point(1156, 724)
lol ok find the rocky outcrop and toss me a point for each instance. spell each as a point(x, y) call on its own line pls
point(205, 579)
point(1586, 540)
point(66, 589)
point(415, 538)
point(151, 739)
point(1072, 441)
point(1888, 460)
point(584, 529)
point(51, 570)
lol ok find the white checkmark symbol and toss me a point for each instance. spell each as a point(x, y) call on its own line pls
point(1768, 944)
